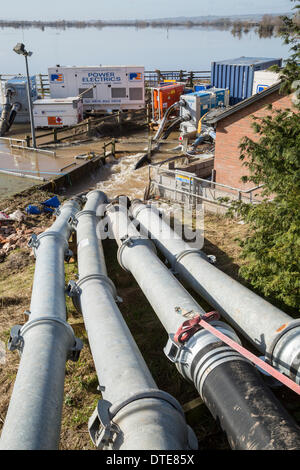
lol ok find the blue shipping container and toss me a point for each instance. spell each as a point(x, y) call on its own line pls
point(238, 74)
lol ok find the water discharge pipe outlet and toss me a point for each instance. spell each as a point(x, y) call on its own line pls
point(268, 328)
point(46, 341)
point(223, 378)
point(165, 118)
point(133, 413)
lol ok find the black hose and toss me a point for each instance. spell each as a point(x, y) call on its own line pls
point(247, 410)
point(170, 128)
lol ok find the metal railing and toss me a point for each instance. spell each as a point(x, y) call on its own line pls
point(22, 144)
point(152, 78)
point(187, 188)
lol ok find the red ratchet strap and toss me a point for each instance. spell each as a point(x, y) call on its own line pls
point(190, 327)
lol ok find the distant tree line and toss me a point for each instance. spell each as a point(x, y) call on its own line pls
point(267, 26)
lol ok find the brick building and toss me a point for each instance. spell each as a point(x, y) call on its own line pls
point(232, 125)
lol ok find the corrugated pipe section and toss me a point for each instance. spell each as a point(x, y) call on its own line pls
point(268, 328)
point(133, 414)
point(45, 342)
point(230, 385)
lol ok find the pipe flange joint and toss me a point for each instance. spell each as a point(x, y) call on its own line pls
point(100, 277)
point(101, 426)
point(97, 191)
point(184, 253)
point(141, 207)
point(174, 350)
point(73, 291)
point(84, 212)
point(68, 254)
point(128, 242)
point(57, 212)
point(35, 241)
point(16, 340)
point(269, 354)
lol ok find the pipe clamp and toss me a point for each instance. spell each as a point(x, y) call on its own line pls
point(16, 340)
point(128, 241)
point(270, 350)
point(184, 253)
point(74, 288)
point(101, 426)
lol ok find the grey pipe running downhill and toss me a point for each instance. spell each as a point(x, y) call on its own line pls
point(230, 385)
point(45, 342)
point(268, 328)
point(133, 413)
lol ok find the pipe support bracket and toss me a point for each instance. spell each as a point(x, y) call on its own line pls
point(128, 242)
point(101, 425)
point(16, 340)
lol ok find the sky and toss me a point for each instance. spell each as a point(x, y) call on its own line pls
point(135, 9)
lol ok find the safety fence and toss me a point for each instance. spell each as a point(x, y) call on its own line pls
point(188, 189)
point(152, 78)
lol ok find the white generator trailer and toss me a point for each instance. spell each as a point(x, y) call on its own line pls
point(58, 112)
point(117, 87)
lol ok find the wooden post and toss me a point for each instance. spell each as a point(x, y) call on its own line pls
point(55, 135)
point(149, 147)
point(113, 147)
point(28, 140)
point(89, 125)
point(148, 113)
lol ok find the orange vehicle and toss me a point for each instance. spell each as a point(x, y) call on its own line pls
point(163, 97)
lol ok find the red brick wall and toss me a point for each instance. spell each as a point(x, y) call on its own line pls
point(229, 168)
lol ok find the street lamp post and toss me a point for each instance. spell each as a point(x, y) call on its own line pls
point(20, 49)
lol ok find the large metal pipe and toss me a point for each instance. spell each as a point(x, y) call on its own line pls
point(272, 331)
point(144, 417)
point(46, 341)
point(248, 411)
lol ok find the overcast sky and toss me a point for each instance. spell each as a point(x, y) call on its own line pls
point(131, 9)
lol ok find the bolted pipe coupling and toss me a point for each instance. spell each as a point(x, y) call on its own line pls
point(129, 242)
point(202, 353)
point(102, 425)
point(283, 352)
point(18, 332)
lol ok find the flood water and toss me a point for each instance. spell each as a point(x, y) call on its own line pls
point(165, 49)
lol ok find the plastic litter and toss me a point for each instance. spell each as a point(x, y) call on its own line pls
point(52, 202)
point(47, 206)
point(17, 215)
point(33, 210)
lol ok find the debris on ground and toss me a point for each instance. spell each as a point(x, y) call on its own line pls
point(15, 236)
point(45, 206)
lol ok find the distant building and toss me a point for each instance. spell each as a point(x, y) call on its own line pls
point(232, 125)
